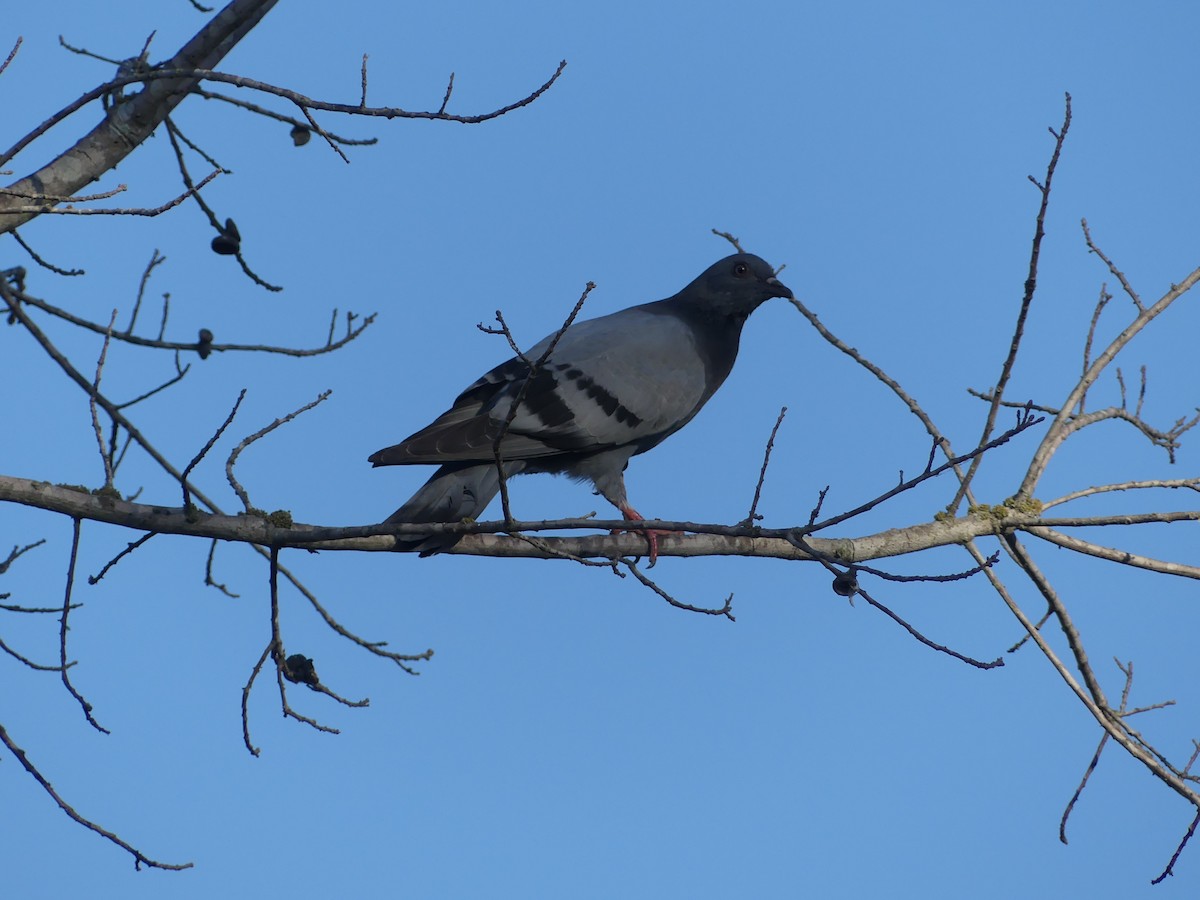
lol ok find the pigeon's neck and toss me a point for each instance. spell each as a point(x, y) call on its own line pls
point(716, 332)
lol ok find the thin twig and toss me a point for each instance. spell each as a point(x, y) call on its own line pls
point(1062, 824)
point(1117, 273)
point(63, 628)
point(933, 645)
point(26, 660)
point(516, 403)
point(246, 689)
point(737, 245)
point(189, 346)
point(119, 211)
point(105, 458)
point(508, 336)
point(156, 259)
point(16, 553)
point(308, 104)
point(64, 198)
point(175, 137)
point(41, 262)
point(1101, 302)
point(375, 647)
point(263, 432)
point(726, 610)
point(93, 579)
point(1026, 302)
point(910, 402)
point(1062, 426)
point(1124, 557)
point(753, 516)
point(279, 656)
point(139, 858)
point(1170, 869)
point(934, 579)
point(180, 372)
point(187, 500)
point(208, 579)
point(856, 589)
point(270, 114)
point(1025, 420)
point(446, 99)
point(1189, 483)
point(12, 54)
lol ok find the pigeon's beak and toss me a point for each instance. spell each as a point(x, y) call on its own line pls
point(778, 289)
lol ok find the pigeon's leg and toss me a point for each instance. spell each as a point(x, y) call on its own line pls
point(651, 535)
point(607, 472)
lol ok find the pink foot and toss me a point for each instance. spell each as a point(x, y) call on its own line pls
point(651, 535)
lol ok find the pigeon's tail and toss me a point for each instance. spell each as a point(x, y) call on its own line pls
point(455, 492)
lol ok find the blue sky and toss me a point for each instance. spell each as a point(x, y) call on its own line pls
point(573, 735)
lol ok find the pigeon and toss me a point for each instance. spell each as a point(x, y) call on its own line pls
point(612, 387)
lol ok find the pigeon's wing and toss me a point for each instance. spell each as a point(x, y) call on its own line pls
point(626, 379)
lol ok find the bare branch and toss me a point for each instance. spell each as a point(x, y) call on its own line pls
point(24, 660)
point(278, 654)
point(187, 501)
point(1123, 710)
point(40, 209)
point(1024, 421)
point(190, 346)
point(41, 262)
point(1170, 869)
point(375, 647)
point(1026, 302)
point(308, 104)
point(726, 610)
point(1060, 429)
point(446, 99)
point(105, 458)
point(139, 859)
point(83, 198)
point(508, 336)
point(913, 406)
point(156, 259)
point(63, 628)
point(12, 54)
point(1117, 273)
point(534, 368)
point(262, 432)
point(1105, 296)
point(941, 648)
point(1124, 557)
point(208, 579)
point(737, 245)
point(174, 379)
point(134, 119)
point(93, 579)
point(270, 114)
point(753, 516)
point(16, 553)
point(246, 689)
point(1190, 483)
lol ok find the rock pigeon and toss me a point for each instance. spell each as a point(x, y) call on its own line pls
point(613, 387)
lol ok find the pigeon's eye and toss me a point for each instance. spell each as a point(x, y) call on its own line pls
point(741, 269)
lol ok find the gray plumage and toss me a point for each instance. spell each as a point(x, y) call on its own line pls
point(614, 387)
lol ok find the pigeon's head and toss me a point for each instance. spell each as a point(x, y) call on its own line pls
point(738, 284)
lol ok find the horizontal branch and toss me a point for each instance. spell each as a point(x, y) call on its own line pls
point(491, 538)
point(352, 332)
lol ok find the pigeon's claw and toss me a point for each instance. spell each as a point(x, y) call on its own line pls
point(651, 535)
